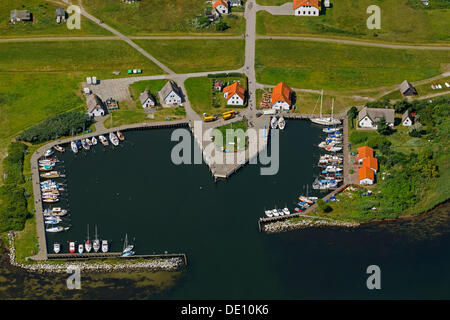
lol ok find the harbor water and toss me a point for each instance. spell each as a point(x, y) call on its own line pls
point(135, 189)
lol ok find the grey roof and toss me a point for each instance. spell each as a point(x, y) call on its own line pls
point(405, 86)
point(20, 14)
point(168, 87)
point(235, 2)
point(60, 12)
point(375, 114)
point(406, 115)
point(93, 101)
point(146, 95)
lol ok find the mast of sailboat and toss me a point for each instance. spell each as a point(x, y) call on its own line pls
point(321, 101)
point(332, 107)
point(125, 243)
point(96, 236)
point(88, 232)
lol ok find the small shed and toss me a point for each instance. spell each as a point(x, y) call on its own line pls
point(20, 15)
point(147, 100)
point(95, 106)
point(235, 3)
point(60, 15)
point(407, 89)
point(407, 119)
point(218, 85)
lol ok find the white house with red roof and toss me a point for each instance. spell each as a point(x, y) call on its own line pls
point(234, 94)
point(221, 6)
point(306, 8)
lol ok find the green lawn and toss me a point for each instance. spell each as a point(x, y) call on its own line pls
point(157, 17)
point(89, 58)
point(401, 21)
point(200, 93)
point(185, 56)
point(44, 21)
point(316, 65)
point(229, 136)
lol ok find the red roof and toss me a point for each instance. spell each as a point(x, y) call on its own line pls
point(233, 89)
point(220, 2)
point(313, 3)
point(370, 162)
point(365, 152)
point(366, 173)
point(281, 92)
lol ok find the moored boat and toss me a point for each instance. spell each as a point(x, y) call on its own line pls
point(96, 242)
point(94, 141)
point(85, 144)
point(113, 138)
point(105, 246)
point(80, 249)
point(268, 213)
point(74, 147)
point(281, 123)
point(274, 122)
point(88, 243)
point(59, 148)
point(56, 247)
point(72, 247)
point(120, 135)
point(103, 140)
point(48, 153)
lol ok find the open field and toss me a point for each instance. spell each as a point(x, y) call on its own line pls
point(315, 65)
point(184, 56)
point(401, 21)
point(200, 91)
point(157, 17)
point(44, 21)
point(89, 58)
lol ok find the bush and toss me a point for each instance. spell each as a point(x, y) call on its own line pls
point(378, 141)
point(13, 163)
point(402, 106)
point(322, 206)
point(415, 130)
point(54, 127)
point(383, 128)
point(13, 208)
point(221, 26)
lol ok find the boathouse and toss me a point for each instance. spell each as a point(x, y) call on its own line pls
point(281, 97)
point(147, 100)
point(170, 95)
point(95, 106)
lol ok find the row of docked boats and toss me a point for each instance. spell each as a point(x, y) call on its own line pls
point(277, 123)
point(277, 212)
point(87, 143)
point(304, 202)
point(96, 245)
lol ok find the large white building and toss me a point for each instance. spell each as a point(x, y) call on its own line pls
point(369, 117)
point(170, 94)
point(308, 8)
point(281, 97)
point(95, 106)
point(235, 94)
point(221, 7)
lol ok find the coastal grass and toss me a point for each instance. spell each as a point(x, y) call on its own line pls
point(25, 243)
point(315, 65)
point(87, 58)
point(201, 94)
point(229, 135)
point(184, 56)
point(401, 21)
point(158, 17)
point(43, 23)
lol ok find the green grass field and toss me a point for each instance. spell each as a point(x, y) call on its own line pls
point(315, 65)
point(89, 58)
point(185, 56)
point(401, 21)
point(44, 21)
point(157, 17)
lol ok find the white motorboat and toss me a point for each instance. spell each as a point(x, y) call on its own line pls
point(55, 229)
point(80, 249)
point(128, 253)
point(72, 247)
point(48, 153)
point(74, 147)
point(88, 243)
point(333, 169)
point(52, 220)
point(96, 242)
point(286, 211)
point(88, 141)
point(268, 213)
point(323, 120)
point(114, 139)
point(281, 123)
point(85, 144)
point(56, 247)
point(280, 212)
point(59, 148)
point(275, 213)
point(274, 122)
point(105, 247)
point(94, 141)
point(331, 129)
point(126, 246)
point(103, 140)
point(57, 211)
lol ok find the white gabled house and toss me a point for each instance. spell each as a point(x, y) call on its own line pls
point(407, 119)
point(146, 99)
point(281, 97)
point(170, 94)
point(95, 106)
point(234, 94)
point(221, 7)
point(369, 117)
point(306, 8)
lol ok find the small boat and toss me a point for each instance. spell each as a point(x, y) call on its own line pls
point(313, 198)
point(127, 254)
point(55, 229)
point(72, 247)
point(281, 123)
point(333, 169)
point(51, 175)
point(74, 147)
point(330, 129)
point(56, 247)
point(280, 212)
point(94, 141)
point(113, 138)
point(127, 247)
point(50, 200)
point(305, 199)
point(286, 211)
point(103, 140)
point(88, 141)
point(268, 213)
point(85, 144)
point(53, 220)
point(48, 153)
point(120, 135)
point(45, 167)
point(88, 244)
point(59, 148)
point(333, 149)
point(105, 246)
point(275, 213)
point(96, 242)
point(55, 212)
point(274, 122)
point(79, 144)
point(80, 249)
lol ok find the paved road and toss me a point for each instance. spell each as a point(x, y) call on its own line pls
point(283, 10)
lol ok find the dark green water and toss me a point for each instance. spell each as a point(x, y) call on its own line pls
point(135, 189)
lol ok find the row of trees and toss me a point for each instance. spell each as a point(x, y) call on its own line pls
point(57, 126)
point(13, 204)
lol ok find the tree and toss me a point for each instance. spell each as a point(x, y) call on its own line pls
point(402, 106)
point(383, 128)
point(221, 26)
point(415, 130)
point(352, 113)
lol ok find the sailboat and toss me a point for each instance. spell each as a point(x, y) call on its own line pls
point(126, 247)
point(88, 244)
point(326, 121)
point(96, 242)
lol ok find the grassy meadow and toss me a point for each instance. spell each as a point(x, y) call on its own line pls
point(316, 65)
point(184, 56)
point(44, 21)
point(401, 21)
point(157, 17)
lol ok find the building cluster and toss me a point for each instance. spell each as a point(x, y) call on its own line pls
point(368, 166)
point(26, 16)
point(369, 117)
point(221, 7)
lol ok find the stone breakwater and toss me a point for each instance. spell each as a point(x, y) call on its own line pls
point(288, 225)
point(166, 264)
